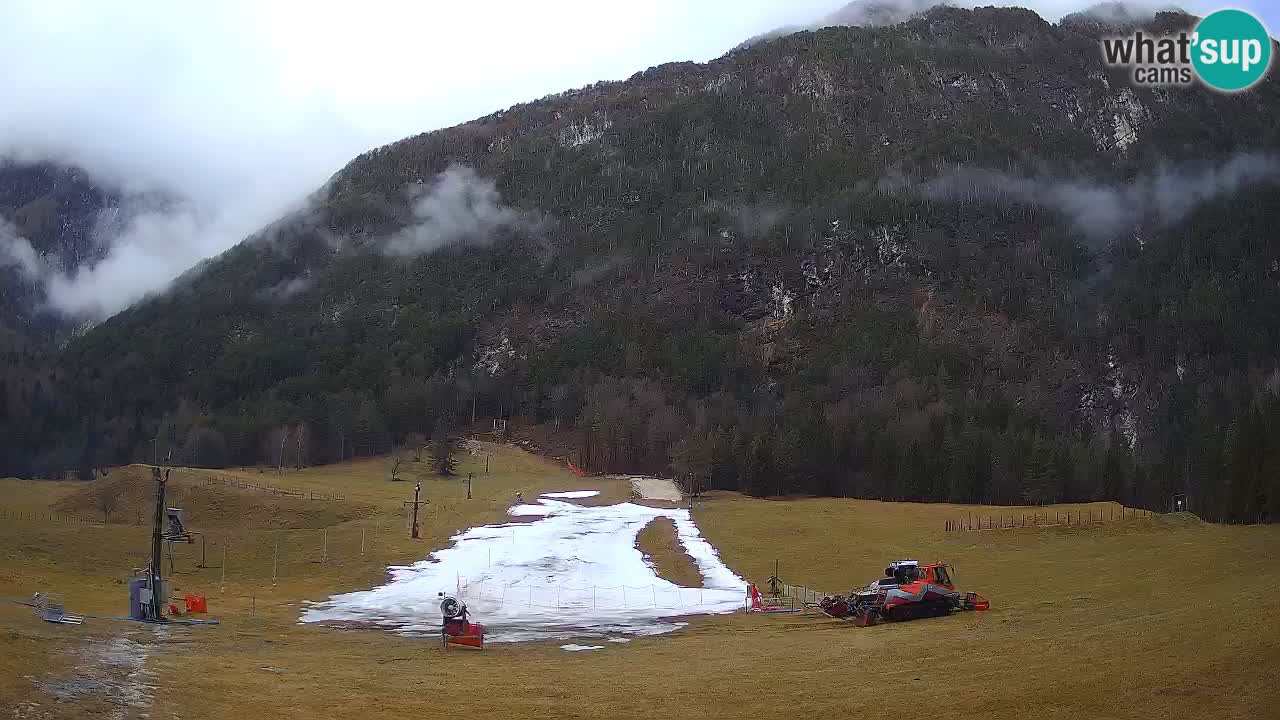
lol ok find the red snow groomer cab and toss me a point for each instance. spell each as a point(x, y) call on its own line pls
point(908, 591)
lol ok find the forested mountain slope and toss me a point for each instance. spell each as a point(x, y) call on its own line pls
point(50, 218)
point(952, 259)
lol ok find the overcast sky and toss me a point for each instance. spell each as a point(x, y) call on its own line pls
point(244, 107)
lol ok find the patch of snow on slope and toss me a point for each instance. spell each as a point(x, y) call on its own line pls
point(815, 83)
point(527, 510)
point(494, 358)
point(571, 647)
point(782, 299)
point(574, 573)
point(1128, 117)
point(580, 133)
point(571, 494)
point(719, 83)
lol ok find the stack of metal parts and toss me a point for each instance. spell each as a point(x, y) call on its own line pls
point(52, 608)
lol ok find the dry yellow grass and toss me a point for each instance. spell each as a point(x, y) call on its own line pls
point(1164, 617)
point(661, 547)
point(35, 495)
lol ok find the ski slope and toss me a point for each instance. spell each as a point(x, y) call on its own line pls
point(572, 572)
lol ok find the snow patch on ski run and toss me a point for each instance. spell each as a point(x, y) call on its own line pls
point(572, 573)
point(525, 510)
point(571, 494)
point(571, 647)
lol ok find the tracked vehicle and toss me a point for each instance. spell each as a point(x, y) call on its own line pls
point(908, 591)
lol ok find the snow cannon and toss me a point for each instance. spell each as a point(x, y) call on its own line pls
point(455, 628)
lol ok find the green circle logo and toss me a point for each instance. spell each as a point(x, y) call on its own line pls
point(1231, 50)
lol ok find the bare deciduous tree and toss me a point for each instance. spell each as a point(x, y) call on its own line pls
point(106, 498)
point(302, 444)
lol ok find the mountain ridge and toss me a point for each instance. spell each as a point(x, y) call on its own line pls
point(701, 270)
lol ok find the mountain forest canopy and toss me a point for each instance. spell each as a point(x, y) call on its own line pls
point(956, 259)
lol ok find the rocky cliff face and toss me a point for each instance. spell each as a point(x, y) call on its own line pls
point(62, 216)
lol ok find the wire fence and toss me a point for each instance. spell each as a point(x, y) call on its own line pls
point(271, 489)
point(253, 573)
point(790, 597)
point(257, 555)
point(802, 595)
point(136, 516)
point(256, 573)
point(495, 594)
point(60, 518)
point(1058, 518)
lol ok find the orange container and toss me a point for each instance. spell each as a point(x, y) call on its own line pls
point(196, 603)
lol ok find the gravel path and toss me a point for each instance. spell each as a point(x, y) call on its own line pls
point(651, 488)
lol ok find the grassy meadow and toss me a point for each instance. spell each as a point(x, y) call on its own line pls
point(1150, 617)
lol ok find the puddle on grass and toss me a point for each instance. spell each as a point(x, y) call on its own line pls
point(111, 672)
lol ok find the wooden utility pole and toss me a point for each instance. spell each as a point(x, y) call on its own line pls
point(469, 476)
point(417, 487)
point(154, 572)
